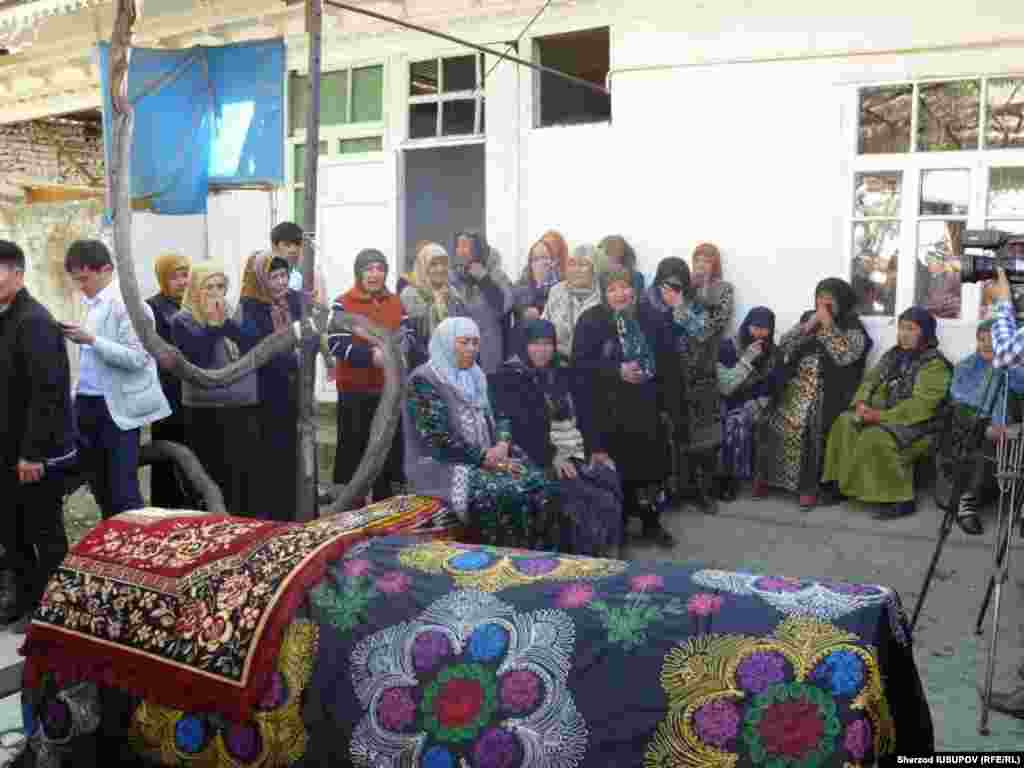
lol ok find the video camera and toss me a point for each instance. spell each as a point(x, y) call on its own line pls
point(999, 250)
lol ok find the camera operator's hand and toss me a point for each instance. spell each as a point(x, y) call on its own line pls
point(1001, 289)
point(995, 432)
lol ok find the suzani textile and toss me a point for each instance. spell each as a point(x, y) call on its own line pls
point(411, 653)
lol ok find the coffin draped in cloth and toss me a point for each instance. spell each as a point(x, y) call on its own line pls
point(432, 654)
point(189, 609)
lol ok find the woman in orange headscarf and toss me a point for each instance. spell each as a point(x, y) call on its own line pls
point(172, 270)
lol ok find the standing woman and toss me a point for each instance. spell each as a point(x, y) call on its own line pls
point(530, 294)
point(165, 486)
point(456, 450)
point(428, 298)
point(267, 305)
point(745, 367)
point(628, 387)
point(487, 293)
point(559, 249)
point(716, 297)
point(617, 253)
point(823, 359)
point(569, 299)
point(221, 423)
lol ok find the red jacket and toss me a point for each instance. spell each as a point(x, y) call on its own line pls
point(355, 371)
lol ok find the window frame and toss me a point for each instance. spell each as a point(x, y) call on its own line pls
point(912, 164)
point(477, 95)
point(333, 135)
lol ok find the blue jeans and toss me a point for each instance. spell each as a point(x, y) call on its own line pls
point(109, 456)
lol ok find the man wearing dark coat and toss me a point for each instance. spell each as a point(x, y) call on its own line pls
point(37, 437)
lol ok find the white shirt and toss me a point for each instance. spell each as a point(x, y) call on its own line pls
point(89, 380)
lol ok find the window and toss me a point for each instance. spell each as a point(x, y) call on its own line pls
point(932, 159)
point(584, 54)
point(446, 97)
point(351, 121)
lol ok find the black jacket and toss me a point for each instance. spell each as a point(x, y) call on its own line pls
point(607, 404)
point(36, 418)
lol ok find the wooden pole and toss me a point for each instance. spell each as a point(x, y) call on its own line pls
point(306, 464)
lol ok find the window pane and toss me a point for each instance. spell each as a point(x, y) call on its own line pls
point(299, 159)
point(356, 146)
point(877, 194)
point(423, 78)
point(948, 115)
point(334, 98)
point(876, 250)
point(299, 203)
point(938, 267)
point(1006, 192)
point(885, 119)
point(1005, 126)
point(945, 193)
point(298, 102)
point(367, 94)
point(459, 73)
point(422, 120)
point(458, 117)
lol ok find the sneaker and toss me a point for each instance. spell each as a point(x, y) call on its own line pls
point(967, 515)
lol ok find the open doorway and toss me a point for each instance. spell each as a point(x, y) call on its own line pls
point(444, 193)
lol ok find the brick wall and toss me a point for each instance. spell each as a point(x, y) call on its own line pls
point(52, 150)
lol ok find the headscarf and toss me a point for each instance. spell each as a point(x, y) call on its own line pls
point(256, 285)
point(762, 317)
point(553, 274)
point(714, 256)
point(165, 265)
point(478, 248)
point(193, 302)
point(972, 384)
point(846, 302)
point(584, 252)
point(558, 247)
point(470, 383)
point(673, 267)
point(364, 259)
point(628, 254)
point(438, 297)
point(554, 386)
point(926, 322)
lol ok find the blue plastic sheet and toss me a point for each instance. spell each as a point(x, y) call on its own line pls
point(202, 115)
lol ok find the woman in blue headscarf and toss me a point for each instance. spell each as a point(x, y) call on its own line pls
point(745, 366)
point(457, 450)
point(532, 391)
point(872, 448)
point(979, 391)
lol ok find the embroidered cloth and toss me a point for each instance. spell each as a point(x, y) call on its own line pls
point(189, 609)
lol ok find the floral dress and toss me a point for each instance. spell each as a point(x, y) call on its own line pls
point(790, 452)
point(506, 509)
point(702, 367)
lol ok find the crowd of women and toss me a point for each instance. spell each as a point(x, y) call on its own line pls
point(550, 410)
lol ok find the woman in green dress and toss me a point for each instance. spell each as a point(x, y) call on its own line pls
point(872, 447)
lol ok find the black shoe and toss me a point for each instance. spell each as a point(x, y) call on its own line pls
point(967, 515)
point(895, 510)
point(1011, 703)
point(728, 489)
point(656, 534)
point(706, 504)
point(829, 495)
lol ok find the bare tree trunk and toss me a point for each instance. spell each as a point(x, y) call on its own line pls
point(306, 466)
point(387, 418)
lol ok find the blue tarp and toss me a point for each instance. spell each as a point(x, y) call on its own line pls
point(202, 115)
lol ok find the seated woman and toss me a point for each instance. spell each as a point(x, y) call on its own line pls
point(456, 450)
point(628, 391)
point(872, 447)
point(532, 391)
point(823, 359)
point(980, 390)
point(745, 367)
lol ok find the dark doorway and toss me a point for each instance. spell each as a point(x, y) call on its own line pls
point(444, 193)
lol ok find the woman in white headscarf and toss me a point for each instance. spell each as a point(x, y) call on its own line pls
point(456, 450)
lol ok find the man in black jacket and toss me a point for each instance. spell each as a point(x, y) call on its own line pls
point(37, 438)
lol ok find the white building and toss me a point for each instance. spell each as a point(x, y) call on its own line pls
point(805, 139)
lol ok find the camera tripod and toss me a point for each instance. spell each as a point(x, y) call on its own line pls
point(1009, 474)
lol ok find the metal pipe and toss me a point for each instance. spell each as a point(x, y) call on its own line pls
point(468, 44)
